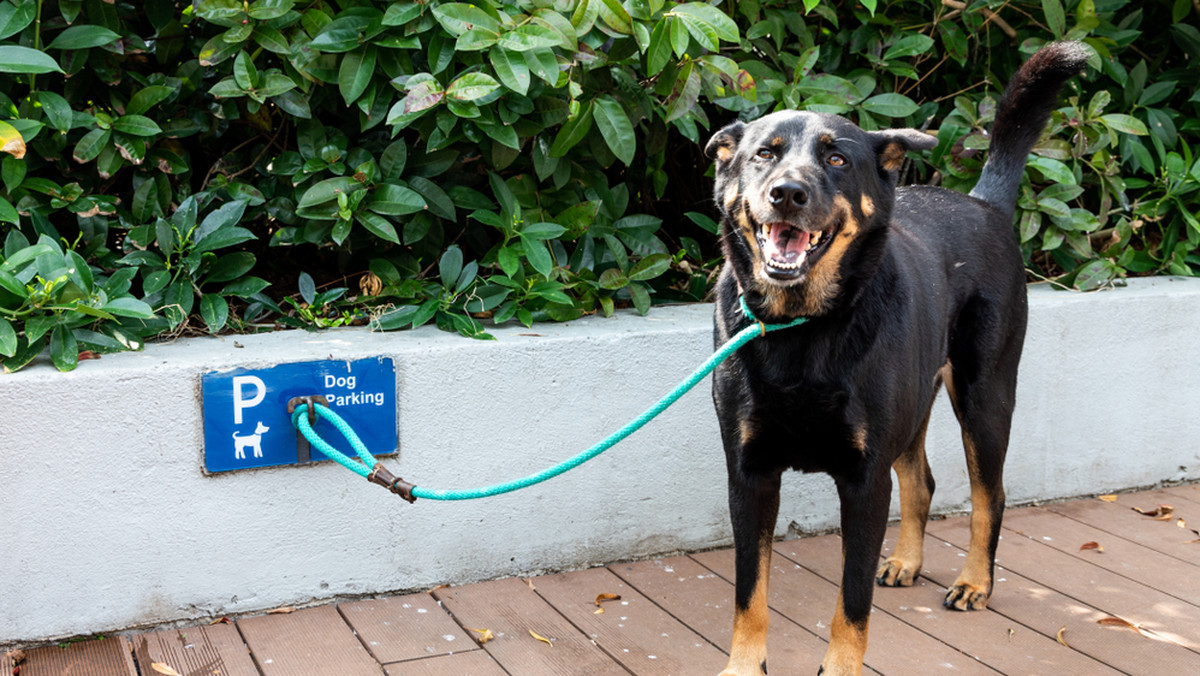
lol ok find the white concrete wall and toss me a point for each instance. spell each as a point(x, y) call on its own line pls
point(107, 522)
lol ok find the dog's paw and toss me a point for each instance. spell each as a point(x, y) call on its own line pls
point(897, 573)
point(966, 596)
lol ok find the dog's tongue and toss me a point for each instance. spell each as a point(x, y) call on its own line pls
point(785, 244)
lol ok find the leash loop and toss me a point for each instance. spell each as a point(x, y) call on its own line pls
point(366, 465)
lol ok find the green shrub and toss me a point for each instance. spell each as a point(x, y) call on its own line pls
point(237, 166)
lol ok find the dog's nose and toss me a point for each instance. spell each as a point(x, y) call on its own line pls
point(787, 195)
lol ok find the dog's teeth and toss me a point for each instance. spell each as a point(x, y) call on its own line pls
point(767, 230)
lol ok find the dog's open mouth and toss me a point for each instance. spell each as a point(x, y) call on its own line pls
point(785, 247)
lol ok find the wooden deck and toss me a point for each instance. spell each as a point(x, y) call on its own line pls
point(1132, 608)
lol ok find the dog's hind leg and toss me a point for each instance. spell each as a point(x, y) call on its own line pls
point(982, 387)
point(753, 508)
point(916, 492)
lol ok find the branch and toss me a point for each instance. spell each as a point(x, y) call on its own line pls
point(995, 18)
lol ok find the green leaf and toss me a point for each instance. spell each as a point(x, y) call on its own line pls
point(224, 237)
point(58, 111)
point(640, 297)
point(890, 105)
point(355, 73)
point(146, 98)
point(377, 225)
point(83, 37)
point(15, 59)
point(542, 231)
point(458, 18)
point(1056, 18)
point(245, 287)
point(572, 132)
point(1053, 170)
point(244, 72)
point(538, 256)
point(909, 45)
point(650, 267)
point(615, 127)
point(308, 288)
point(613, 279)
point(423, 93)
point(214, 310)
point(265, 10)
point(1125, 123)
point(400, 13)
point(615, 15)
point(684, 94)
point(472, 87)
point(8, 213)
point(394, 200)
point(221, 217)
point(8, 338)
point(14, 17)
point(64, 351)
point(136, 125)
point(230, 267)
point(450, 266)
point(512, 71)
point(659, 51)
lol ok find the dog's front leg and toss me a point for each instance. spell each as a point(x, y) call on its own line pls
point(753, 507)
point(864, 507)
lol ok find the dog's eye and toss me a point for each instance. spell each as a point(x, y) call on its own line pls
point(765, 153)
point(836, 160)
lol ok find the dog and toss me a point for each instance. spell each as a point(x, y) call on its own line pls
point(905, 289)
point(251, 441)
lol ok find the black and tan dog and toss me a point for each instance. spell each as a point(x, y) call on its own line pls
point(905, 289)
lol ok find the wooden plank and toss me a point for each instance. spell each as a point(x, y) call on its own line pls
point(1189, 492)
point(474, 663)
point(1172, 619)
point(406, 627)
point(108, 656)
point(309, 641)
point(1045, 610)
point(1136, 562)
point(511, 610)
point(1120, 519)
point(205, 650)
point(809, 600)
point(632, 629)
point(703, 601)
point(986, 636)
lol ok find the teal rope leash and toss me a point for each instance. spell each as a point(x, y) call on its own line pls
point(376, 473)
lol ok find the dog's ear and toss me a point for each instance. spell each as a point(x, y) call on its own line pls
point(724, 143)
point(891, 144)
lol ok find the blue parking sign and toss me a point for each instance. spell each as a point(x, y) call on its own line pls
point(246, 422)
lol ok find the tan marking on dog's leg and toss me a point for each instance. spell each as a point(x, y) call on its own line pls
point(915, 480)
point(974, 584)
point(847, 644)
point(749, 652)
point(859, 440)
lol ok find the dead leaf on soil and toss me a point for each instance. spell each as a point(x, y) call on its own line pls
point(164, 669)
point(485, 635)
point(1160, 513)
point(282, 611)
point(541, 638)
point(1108, 498)
point(1059, 636)
point(1092, 545)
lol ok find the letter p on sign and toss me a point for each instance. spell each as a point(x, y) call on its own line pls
point(240, 401)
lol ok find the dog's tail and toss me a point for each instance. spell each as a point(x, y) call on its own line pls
point(1021, 117)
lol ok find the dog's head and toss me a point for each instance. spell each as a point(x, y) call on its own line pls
point(801, 194)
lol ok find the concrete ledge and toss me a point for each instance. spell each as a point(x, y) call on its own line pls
point(109, 523)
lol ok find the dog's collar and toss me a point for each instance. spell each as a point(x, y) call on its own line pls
point(763, 326)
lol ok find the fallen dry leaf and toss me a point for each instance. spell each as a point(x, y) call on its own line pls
point(440, 586)
point(1059, 636)
point(607, 597)
point(1181, 523)
point(164, 669)
point(541, 638)
point(529, 583)
point(282, 611)
point(1108, 498)
point(485, 635)
point(17, 656)
point(88, 354)
point(1160, 513)
point(1092, 545)
point(221, 620)
point(1118, 622)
